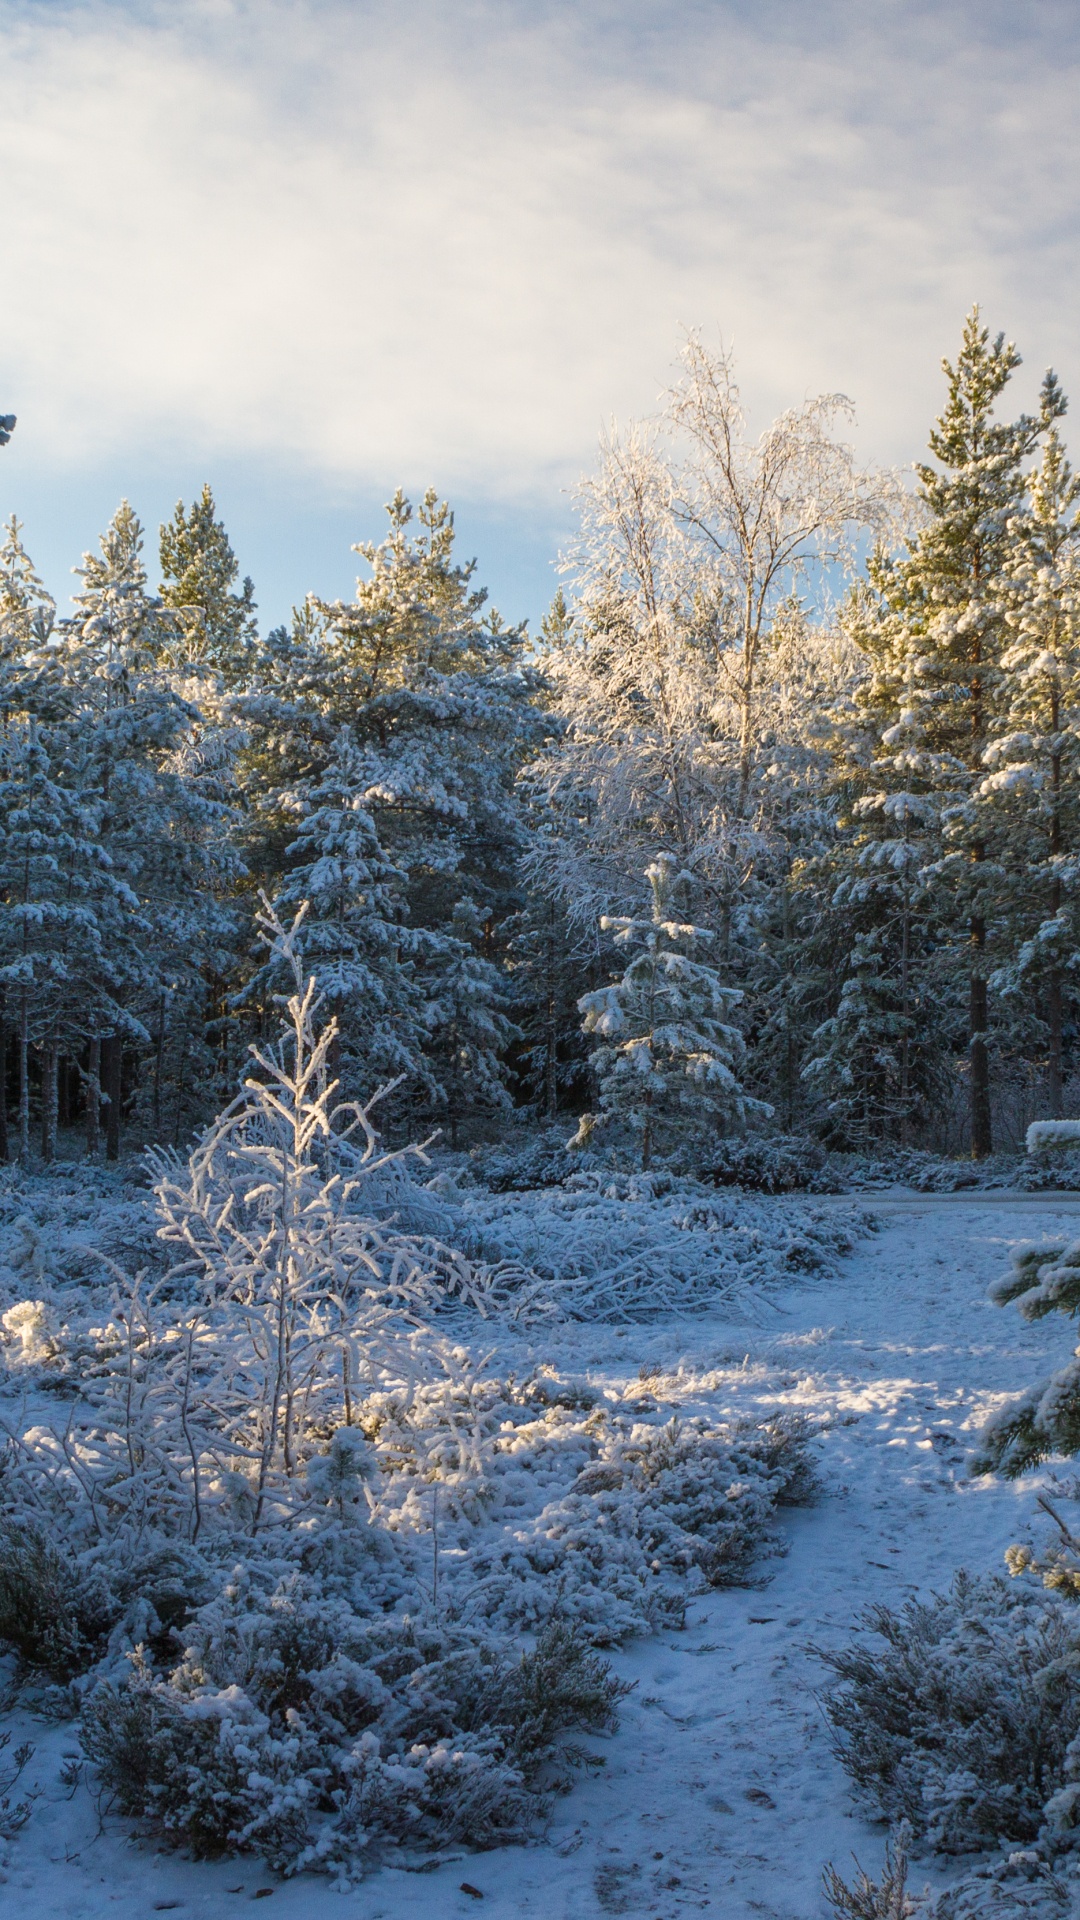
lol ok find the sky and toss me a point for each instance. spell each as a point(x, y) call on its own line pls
point(310, 250)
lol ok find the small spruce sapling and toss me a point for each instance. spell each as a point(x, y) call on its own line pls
point(669, 1056)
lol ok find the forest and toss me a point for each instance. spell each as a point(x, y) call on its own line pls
point(511, 1142)
point(809, 729)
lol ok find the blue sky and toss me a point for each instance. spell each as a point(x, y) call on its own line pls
point(310, 250)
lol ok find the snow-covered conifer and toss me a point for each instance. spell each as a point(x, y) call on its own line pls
point(668, 1055)
point(356, 943)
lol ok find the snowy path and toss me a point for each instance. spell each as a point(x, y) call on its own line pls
point(719, 1794)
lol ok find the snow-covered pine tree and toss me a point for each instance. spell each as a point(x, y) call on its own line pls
point(355, 943)
point(1031, 791)
point(166, 833)
point(215, 627)
point(61, 902)
point(940, 633)
point(470, 1032)
point(668, 1056)
point(441, 703)
point(869, 1061)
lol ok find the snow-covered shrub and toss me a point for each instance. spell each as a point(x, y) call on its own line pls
point(1046, 1135)
point(866, 1899)
point(1032, 1883)
point(624, 1247)
point(658, 1513)
point(959, 1713)
point(762, 1163)
point(319, 1738)
point(541, 1163)
point(55, 1615)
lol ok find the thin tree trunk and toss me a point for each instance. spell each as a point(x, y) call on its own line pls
point(3, 1087)
point(50, 1061)
point(63, 1093)
point(93, 1100)
point(24, 1082)
point(111, 1063)
point(1055, 1022)
point(981, 1131)
point(159, 1062)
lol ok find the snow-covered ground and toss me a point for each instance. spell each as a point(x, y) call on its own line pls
point(719, 1793)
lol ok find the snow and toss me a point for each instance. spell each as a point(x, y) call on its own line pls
point(1052, 1133)
point(719, 1793)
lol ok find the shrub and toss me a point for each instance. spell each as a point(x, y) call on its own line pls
point(55, 1617)
point(782, 1163)
point(959, 1714)
point(322, 1739)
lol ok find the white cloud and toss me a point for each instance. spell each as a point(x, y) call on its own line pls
point(449, 239)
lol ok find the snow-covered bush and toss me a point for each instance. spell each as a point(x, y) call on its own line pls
point(541, 1163)
point(1045, 1135)
point(763, 1163)
point(961, 1714)
point(866, 1899)
point(631, 1247)
point(319, 1738)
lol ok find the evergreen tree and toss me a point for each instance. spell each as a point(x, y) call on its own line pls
point(668, 1056)
point(469, 1029)
point(28, 681)
point(1031, 792)
point(215, 627)
point(164, 828)
point(940, 633)
point(441, 705)
point(353, 937)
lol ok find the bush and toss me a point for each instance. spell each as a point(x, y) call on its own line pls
point(322, 1739)
point(959, 1715)
point(784, 1163)
point(55, 1617)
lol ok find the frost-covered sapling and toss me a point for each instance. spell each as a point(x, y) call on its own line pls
point(668, 1057)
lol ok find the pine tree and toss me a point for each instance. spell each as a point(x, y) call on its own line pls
point(354, 939)
point(164, 827)
point(441, 704)
point(940, 635)
point(1031, 792)
point(668, 1056)
point(469, 1029)
point(215, 626)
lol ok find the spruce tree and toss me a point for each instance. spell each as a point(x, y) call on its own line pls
point(356, 944)
point(668, 1056)
point(1030, 794)
point(470, 1032)
point(941, 633)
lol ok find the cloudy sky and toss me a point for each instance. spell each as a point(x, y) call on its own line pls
point(309, 249)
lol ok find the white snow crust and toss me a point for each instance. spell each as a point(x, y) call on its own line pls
point(719, 1794)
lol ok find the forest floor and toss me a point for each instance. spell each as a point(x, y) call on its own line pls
point(719, 1793)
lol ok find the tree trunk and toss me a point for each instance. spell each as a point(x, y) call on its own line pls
point(1055, 1022)
point(50, 1065)
point(3, 1090)
point(93, 1100)
point(981, 1131)
point(111, 1073)
point(24, 1082)
point(159, 1064)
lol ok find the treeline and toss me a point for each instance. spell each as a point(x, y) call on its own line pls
point(844, 720)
